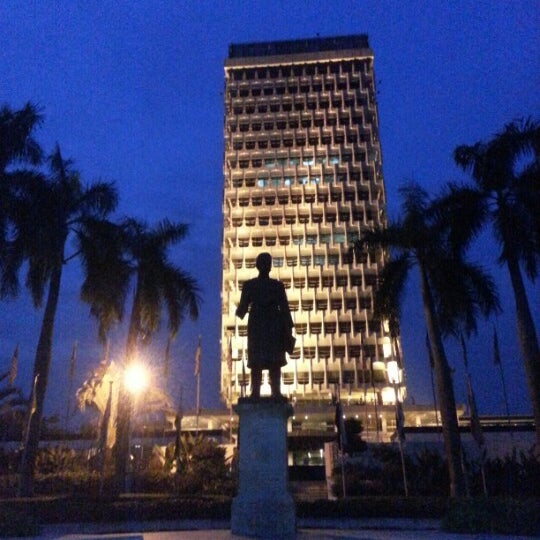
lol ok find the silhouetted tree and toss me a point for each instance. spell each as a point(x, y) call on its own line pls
point(453, 292)
point(506, 175)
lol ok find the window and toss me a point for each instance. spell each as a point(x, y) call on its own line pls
point(284, 240)
point(277, 262)
point(319, 261)
point(333, 159)
point(261, 182)
point(305, 260)
point(325, 238)
point(339, 237)
point(269, 163)
point(311, 239)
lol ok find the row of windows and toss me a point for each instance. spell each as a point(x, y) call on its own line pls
point(301, 70)
point(329, 177)
point(307, 160)
point(335, 89)
point(300, 140)
point(319, 260)
point(324, 352)
point(318, 378)
point(273, 163)
point(297, 106)
point(349, 194)
point(256, 125)
point(292, 219)
point(327, 281)
point(271, 240)
point(311, 104)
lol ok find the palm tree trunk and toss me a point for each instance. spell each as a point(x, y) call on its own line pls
point(528, 342)
point(42, 363)
point(445, 393)
point(125, 404)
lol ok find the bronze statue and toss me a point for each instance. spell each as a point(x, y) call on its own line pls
point(269, 326)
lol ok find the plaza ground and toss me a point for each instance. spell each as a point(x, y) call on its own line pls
point(308, 529)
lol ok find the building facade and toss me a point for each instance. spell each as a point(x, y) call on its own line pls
point(302, 181)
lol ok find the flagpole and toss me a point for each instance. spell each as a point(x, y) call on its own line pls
point(198, 375)
point(32, 406)
point(341, 439)
point(70, 387)
point(400, 417)
point(476, 428)
point(431, 366)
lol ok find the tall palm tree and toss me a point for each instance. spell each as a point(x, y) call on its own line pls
point(138, 255)
point(47, 211)
point(19, 153)
point(506, 175)
point(453, 292)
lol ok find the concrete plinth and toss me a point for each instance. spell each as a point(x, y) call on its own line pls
point(263, 507)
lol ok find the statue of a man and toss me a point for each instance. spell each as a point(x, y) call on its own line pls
point(269, 325)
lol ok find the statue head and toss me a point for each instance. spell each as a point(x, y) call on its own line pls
point(264, 263)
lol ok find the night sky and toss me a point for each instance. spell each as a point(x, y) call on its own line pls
point(132, 92)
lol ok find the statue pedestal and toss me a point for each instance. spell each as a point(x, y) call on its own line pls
point(263, 507)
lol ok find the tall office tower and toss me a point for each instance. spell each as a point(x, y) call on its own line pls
point(302, 181)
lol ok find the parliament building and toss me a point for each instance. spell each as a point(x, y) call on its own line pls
point(303, 181)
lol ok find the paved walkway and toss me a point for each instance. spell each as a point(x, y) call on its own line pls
point(308, 529)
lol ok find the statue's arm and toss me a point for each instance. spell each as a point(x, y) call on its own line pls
point(284, 306)
point(243, 306)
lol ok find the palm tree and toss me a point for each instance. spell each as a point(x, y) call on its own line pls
point(17, 148)
point(453, 292)
point(506, 190)
point(138, 253)
point(47, 211)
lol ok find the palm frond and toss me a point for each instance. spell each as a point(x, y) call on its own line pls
point(391, 286)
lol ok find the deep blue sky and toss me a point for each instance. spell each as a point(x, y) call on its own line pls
point(132, 92)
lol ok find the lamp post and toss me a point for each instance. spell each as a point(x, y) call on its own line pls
point(135, 381)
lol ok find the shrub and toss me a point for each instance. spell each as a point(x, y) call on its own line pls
point(18, 523)
point(493, 516)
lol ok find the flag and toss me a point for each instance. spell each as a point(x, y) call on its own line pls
point(178, 432)
point(106, 352)
point(476, 428)
point(72, 361)
point(400, 421)
point(340, 425)
point(464, 351)
point(13, 366)
point(229, 355)
point(496, 352)
point(197, 370)
point(33, 400)
point(104, 430)
point(243, 383)
point(430, 354)
point(167, 358)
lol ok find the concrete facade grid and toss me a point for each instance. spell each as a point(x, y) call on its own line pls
point(303, 180)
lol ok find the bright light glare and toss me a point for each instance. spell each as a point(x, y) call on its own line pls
point(135, 378)
point(393, 372)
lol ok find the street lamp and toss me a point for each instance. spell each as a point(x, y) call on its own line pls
point(135, 381)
